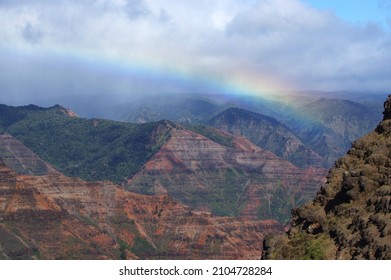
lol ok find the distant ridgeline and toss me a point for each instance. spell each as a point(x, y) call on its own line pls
point(308, 125)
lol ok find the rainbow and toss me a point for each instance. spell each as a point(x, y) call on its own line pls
point(122, 70)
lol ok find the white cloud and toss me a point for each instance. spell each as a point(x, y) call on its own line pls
point(251, 41)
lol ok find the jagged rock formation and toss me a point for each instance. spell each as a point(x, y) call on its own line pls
point(57, 217)
point(350, 218)
point(387, 110)
point(233, 177)
point(269, 134)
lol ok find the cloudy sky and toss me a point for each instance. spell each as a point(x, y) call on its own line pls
point(131, 47)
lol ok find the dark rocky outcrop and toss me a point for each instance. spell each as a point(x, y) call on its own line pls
point(350, 218)
point(387, 109)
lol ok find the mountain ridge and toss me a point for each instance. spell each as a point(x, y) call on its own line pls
point(328, 137)
point(267, 133)
point(82, 147)
point(129, 154)
point(329, 126)
point(237, 178)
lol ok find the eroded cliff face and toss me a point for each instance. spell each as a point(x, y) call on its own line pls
point(239, 179)
point(57, 217)
point(350, 218)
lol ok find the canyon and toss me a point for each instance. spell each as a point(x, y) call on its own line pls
point(75, 188)
point(199, 166)
point(52, 216)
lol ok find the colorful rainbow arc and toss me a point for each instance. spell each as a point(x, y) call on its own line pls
point(243, 82)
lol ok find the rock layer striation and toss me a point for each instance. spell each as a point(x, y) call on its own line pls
point(56, 217)
point(230, 179)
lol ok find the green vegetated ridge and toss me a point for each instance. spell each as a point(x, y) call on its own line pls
point(90, 149)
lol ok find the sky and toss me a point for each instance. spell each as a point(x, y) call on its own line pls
point(127, 48)
point(356, 10)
